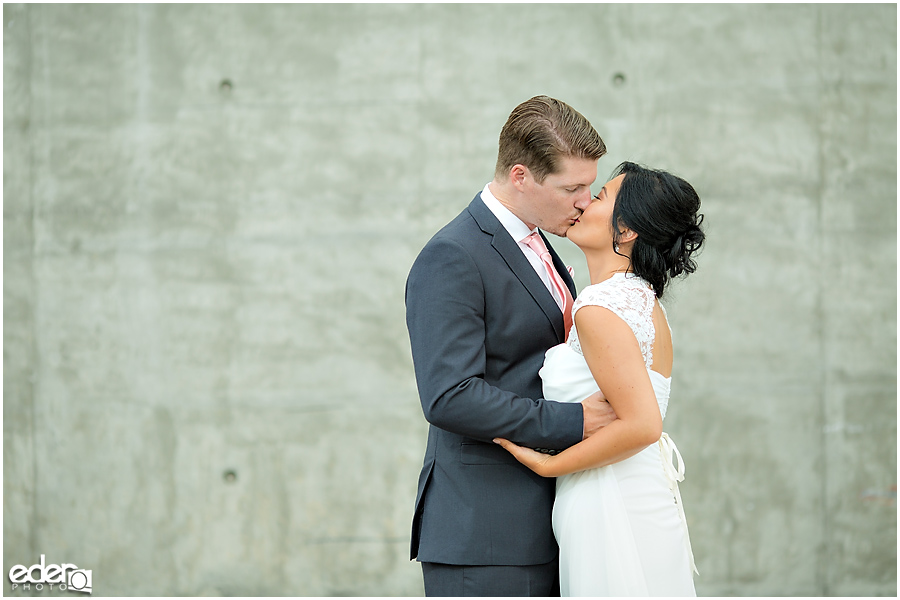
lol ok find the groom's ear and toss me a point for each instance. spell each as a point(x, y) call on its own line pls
point(518, 174)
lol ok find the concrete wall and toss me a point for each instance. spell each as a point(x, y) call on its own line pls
point(209, 215)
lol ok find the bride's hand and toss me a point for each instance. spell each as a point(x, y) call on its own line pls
point(536, 461)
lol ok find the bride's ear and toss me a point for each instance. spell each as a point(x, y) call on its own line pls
point(626, 235)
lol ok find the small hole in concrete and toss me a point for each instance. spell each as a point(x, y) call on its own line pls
point(618, 79)
point(229, 476)
point(226, 86)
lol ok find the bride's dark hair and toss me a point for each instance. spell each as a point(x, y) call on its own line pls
point(662, 210)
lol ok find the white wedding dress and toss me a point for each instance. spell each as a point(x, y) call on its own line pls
point(621, 528)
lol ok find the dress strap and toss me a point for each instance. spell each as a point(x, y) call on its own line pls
point(667, 449)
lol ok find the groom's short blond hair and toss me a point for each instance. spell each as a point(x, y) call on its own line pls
point(542, 130)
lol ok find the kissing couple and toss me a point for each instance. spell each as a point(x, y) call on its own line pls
point(546, 469)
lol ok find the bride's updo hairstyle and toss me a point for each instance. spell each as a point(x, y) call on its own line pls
point(662, 210)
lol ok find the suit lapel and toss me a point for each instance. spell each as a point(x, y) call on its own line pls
point(519, 265)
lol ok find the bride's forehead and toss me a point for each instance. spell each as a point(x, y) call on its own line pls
point(613, 184)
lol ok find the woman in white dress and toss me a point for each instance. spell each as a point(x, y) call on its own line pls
point(618, 516)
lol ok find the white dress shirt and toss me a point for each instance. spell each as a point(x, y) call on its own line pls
point(519, 231)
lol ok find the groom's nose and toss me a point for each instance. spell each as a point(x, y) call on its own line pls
point(583, 200)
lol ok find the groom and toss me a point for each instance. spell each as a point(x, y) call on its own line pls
point(482, 308)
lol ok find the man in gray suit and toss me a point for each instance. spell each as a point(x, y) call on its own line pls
point(482, 310)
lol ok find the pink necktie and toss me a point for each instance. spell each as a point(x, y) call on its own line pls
point(537, 244)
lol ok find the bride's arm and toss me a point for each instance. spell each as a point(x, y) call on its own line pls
point(614, 357)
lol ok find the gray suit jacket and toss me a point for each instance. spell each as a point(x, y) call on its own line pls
point(480, 320)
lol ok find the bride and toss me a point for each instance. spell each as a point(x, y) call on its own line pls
point(618, 515)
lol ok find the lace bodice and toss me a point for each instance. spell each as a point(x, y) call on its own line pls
point(629, 297)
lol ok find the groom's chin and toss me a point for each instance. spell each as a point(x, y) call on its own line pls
point(559, 231)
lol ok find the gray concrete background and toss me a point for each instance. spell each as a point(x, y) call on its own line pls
point(203, 278)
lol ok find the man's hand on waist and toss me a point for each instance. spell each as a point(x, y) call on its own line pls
point(597, 413)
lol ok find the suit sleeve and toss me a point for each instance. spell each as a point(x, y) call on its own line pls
point(445, 316)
